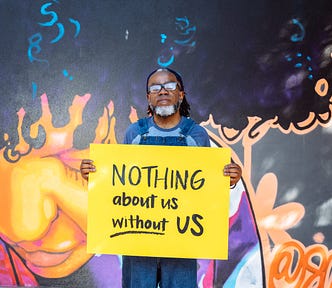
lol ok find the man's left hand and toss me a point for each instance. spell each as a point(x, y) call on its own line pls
point(234, 171)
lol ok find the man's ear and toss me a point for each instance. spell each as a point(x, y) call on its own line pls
point(182, 95)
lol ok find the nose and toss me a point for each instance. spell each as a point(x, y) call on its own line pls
point(163, 91)
point(34, 195)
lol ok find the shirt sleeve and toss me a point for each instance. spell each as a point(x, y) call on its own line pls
point(131, 133)
point(201, 137)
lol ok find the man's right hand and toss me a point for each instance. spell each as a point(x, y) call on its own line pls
point(87, 167)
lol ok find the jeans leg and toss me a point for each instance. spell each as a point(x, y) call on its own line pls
point(176, 272)
point(139, 272)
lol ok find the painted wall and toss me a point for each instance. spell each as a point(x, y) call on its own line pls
point(258, 77)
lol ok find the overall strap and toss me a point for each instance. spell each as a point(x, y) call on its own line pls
point(143, 126)
point(187, 126)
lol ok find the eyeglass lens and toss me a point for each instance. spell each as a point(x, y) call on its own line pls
point(170, 86)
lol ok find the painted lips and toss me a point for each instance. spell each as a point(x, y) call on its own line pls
point(46, 259)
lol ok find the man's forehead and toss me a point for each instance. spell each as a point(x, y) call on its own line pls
point(162, 76)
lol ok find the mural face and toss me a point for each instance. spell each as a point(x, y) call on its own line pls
point(43, 216)
point(258, 78)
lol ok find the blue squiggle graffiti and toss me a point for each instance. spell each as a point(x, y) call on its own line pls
point(165, 64)
point(301, 62)
point(163, 37)
point(186, 33)
point(66, 74)
point(60, 34)
point(77, 25)
point(34, 47)
point(298, 37)
point(52, 22)
point(36, 39)
point(43, 11)
point(185, 29)
point(34, 90)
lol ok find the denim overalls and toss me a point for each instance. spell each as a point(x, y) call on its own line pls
point(147, 272)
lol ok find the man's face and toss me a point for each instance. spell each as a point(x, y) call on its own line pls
point(166, 97)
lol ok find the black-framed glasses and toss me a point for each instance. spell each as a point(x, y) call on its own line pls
point(155, 88)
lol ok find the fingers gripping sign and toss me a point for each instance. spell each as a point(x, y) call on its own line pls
point(234, 171)
point(87, 167)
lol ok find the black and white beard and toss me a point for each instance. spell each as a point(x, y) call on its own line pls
point(165, 111)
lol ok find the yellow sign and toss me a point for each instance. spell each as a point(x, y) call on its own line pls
point(162, 201)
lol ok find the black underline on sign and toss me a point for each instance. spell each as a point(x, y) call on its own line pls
point(135, 232)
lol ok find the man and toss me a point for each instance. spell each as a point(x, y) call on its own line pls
point(169, 124)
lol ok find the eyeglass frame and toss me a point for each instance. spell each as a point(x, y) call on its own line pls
point(163, 86)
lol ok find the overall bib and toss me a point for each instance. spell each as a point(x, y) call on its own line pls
point(148, 272)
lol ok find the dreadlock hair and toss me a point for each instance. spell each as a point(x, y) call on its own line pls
point(184, 106)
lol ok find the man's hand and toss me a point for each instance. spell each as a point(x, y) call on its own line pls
point(234, 171)
point(87, 167)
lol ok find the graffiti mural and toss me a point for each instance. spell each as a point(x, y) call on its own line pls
point(258, 77)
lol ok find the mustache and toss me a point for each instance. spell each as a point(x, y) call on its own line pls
point(176, 106)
